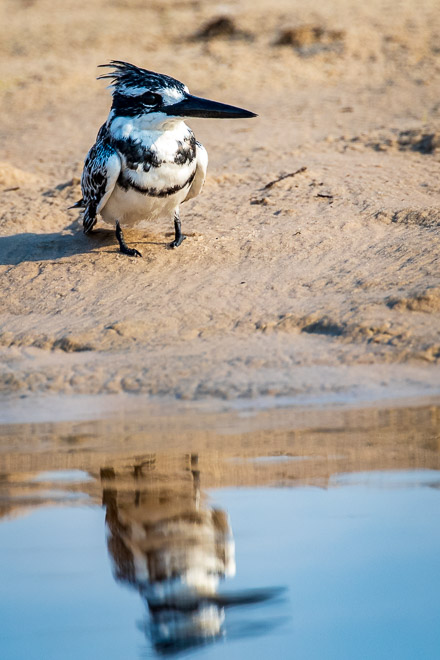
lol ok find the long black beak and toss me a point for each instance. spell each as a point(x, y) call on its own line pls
point(193, 106)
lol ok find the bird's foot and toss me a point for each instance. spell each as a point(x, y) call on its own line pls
point(177, 241)
point(123, 247)
point(132, 252)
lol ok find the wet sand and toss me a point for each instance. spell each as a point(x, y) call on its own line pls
point(312, 445)
point(323, 286)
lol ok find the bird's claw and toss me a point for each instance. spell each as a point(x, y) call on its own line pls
point(131, 252)
point(177, 242)
point(123, 247)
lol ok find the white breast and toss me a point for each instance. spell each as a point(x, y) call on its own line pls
point(132, 208)
point(128, 204)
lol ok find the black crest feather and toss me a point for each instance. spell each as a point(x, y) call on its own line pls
point(125, 74)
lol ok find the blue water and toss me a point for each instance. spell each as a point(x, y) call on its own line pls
point(359, 564)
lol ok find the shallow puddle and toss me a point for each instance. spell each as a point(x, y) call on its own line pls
point(312, 535)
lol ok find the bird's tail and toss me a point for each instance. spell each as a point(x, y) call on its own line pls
point(89, 220)
point(80, 204)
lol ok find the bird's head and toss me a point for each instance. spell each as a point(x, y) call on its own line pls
point(157, 99)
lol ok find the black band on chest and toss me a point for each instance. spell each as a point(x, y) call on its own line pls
point(126, 183)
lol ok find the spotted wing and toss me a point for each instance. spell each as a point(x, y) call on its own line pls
point(200, 175)
point(101, 170)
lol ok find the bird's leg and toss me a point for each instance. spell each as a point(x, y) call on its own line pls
point(178, 236)
point(123, 247)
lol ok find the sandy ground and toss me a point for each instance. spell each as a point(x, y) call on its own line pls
point(323, 285)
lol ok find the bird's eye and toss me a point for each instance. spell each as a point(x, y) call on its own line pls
point(150, 99)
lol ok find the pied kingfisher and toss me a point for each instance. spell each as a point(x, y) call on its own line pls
point(146, 161)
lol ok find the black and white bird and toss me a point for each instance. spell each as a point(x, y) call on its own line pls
point(146, 161)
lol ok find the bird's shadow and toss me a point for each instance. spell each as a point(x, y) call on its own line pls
point(57, 245)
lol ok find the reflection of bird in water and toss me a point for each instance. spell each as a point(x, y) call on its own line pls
point(175, 552)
